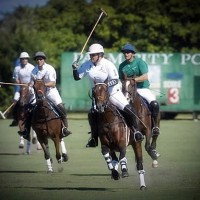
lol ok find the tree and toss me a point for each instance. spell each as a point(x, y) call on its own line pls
point(64, 25)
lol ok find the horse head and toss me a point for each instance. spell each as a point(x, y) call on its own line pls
point(129, 87)
point(39, 88)
point(24, 95)
point(100, 94)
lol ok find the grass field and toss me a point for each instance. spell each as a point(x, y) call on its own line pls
point(85, 175)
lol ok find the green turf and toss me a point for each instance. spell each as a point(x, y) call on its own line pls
point(85, 175)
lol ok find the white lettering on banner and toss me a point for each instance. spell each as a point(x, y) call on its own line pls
point(195, 59)
point(173, 95)
point(171, 84)
point(116, 60)
point(150, 58)
point(155, 58)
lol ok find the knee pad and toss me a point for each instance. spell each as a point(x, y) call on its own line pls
point(154, 108)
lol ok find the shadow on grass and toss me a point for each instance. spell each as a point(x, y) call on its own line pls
point(90, 175)
point(20, 172)
point(11, 154)
point(70, 188)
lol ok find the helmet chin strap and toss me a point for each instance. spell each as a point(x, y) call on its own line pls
point(95, 63)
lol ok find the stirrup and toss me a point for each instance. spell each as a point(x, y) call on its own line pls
point(155, 130)
point(138, 137)
point(65, 132)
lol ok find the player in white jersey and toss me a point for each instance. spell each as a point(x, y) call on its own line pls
point(21, 74)
point(45, 70)
point(99, 69)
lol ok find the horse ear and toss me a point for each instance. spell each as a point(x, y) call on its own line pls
point(43, 78)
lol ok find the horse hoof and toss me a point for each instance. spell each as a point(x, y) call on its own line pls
point(65, 157)
point(125, 173)
point(50, 171)
point(115, 174)
point(34, 140)
point(155, 164)
point(21, 146)
point(143, 188)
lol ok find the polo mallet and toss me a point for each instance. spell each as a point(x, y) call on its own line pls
point(2, 83)
point(103, 12)
point(3, 114)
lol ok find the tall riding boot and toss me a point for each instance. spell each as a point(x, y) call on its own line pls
point(155, 117)
point(137, 135)
point(92, 118)
point(27, 126)
point(14, 114)
point(63, 114)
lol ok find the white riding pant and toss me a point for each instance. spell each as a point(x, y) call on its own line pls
point(147, 94)
point(16, 96)
point(32, 96)
point(118, 99)
point(54, 96)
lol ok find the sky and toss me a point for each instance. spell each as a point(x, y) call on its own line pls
point(8, 6)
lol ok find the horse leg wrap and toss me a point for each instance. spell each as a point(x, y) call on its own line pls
point(123, 163)
point(63, 148)
point(108, 161)
point(49, 166)
point(115, 164)
point(141, 175)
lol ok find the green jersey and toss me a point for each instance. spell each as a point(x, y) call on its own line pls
point(137, 67)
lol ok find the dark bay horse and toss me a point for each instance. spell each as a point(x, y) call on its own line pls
point(47, 124)
point(114, 136)
point(23, 106)
point(129, 88)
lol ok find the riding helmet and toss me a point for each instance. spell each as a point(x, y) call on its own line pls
point(40, 54)
point(128, 47)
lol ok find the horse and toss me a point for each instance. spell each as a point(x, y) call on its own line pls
point(129, 89)
point(114, 135)
point(46, 122)
point(22, 110)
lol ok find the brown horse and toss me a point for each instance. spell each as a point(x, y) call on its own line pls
point(129, 88)
point(47, 124)
point(23, 106)
point(114, 136)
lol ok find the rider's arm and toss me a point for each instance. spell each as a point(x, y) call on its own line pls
point(113, 76)
point(76, 75)
point(143, 68)
point(142, 78)
point(50, 84)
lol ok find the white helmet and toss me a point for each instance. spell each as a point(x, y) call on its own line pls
point(95, 48)
point(24, 55)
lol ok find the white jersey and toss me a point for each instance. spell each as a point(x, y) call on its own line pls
point(23, 75)
point(49, 74)
point(104, 69)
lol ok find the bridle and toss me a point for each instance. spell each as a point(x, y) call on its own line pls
point(131, 93)
point(39, 92)
point(101, 96)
